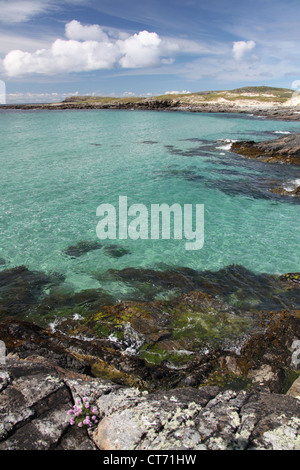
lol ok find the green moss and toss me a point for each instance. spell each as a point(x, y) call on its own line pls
point(289, 378)
point(154, 355)
point(110, 322)
point(225, 379)
point(210, 326)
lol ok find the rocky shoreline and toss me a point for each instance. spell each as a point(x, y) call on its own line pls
point(35, 396)
point(280, 112)
point(239, 394)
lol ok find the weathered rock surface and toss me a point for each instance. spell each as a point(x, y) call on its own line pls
point(35, 396)
point(148, 357)
point(283, 150)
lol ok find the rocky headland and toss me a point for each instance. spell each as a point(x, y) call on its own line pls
point(269, 102)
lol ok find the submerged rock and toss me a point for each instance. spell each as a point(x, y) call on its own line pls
point(26, 294)
point(115, 251)
point(81, 248)
point(21, 288)
point(235, 285)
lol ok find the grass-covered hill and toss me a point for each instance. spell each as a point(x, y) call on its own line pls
point(245, 95)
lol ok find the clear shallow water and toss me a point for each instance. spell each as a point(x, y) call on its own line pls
point(57, 167)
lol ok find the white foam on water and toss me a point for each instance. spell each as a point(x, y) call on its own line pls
point(290, 185)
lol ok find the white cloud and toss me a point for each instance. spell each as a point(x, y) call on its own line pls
point(75, 30)
point(89, 48)
point(183, 92)
point(140, 50)
point(20, 11)
point(19, 97)
point(17, 11)
point(240, 48)
point(63, 57)
point(9, 41)
point(296, 85)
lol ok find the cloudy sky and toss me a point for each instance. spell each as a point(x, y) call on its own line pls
point(53, 48)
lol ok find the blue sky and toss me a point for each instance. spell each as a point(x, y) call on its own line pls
point(50, 49)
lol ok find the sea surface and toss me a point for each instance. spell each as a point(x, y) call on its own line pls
point(57, 167)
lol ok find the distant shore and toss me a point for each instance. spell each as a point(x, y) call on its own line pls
point(262, 101)
point(280, 112)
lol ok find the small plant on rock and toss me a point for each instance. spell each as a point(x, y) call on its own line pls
point(83, 414)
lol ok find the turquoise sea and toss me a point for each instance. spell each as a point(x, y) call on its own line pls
point(57, 167)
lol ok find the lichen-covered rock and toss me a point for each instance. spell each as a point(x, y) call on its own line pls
point(189, 419)
point(294, 390)
point(36, 395)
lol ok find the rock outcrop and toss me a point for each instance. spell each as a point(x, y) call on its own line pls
point(283, 150)
point(35, 396)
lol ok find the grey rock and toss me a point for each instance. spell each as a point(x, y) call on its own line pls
point(294, 390)
point(35, 396)
point(190, 419)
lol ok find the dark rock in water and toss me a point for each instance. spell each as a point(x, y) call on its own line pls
point(201, 151)
point(115, 251)
point(41, 296)
point(285, 192)
point(283, 150)
point(235, 284)
point(20, 289)
point(62, 303)
point(82, 248)
point(150, 142)
point(296, 191)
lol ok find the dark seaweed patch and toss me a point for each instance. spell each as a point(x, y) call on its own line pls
point(81, 248)
point(21, 289)
point(235, 284)
point(201, 151)
point(115, 251)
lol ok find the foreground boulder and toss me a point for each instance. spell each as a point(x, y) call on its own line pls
point(35, 396)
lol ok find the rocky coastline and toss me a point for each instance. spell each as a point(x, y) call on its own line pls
point(215, 367)
point(278, 112)
point(154, 389)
